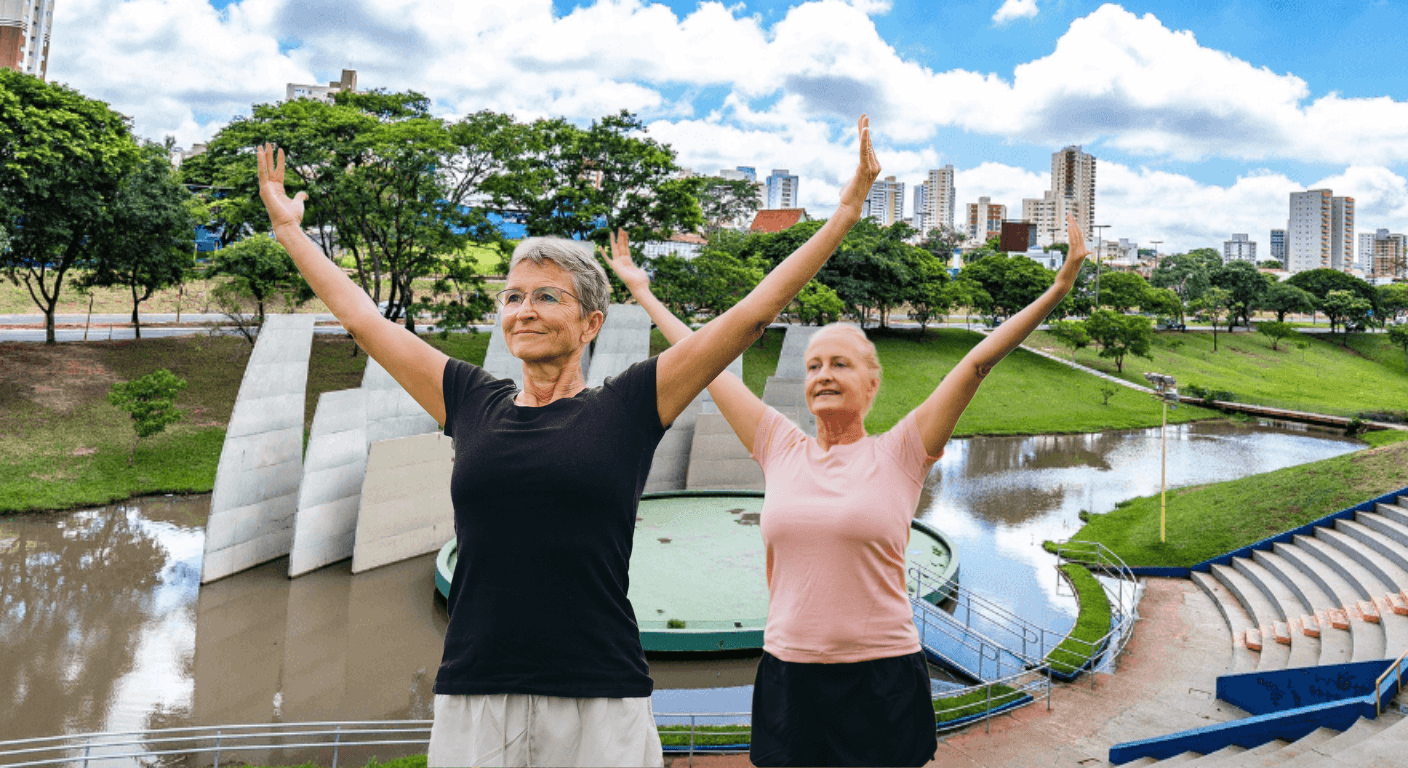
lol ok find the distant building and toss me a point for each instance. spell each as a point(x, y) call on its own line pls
point(885, 203)
point(25, 27)
point(1342, 233)
point(686, 244)
point(1239, 248)
point(1308, 231)
point(939, 199)
point(1072, 192)
point(782, 190)
point(1278, 245)
point(324, 93)
point(745, 173)
point(778, 219)
point(1383, 254)
point(1044, 213)
point(1018, 237)
point(921, 200)
point(984, 220)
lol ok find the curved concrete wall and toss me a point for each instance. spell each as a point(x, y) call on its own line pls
point(624, 340)
point(391, 411)
point(256, 483)
point(406, 509)
point(786, 389)
point(331, 491)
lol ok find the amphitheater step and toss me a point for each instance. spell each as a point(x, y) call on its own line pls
point(1386, 748)
point(1335, 647)
point(1364, 642)
point(1343, 567)
point(1219, 757)
point(1305, 649)
point(1252, 757)
point(1262, 613)
point(1357, 545)
point(1394, 529)
point(1322, 754)
point(1185, 758)
point(1237, 621)
point(1384, 555)
point(1395, 512)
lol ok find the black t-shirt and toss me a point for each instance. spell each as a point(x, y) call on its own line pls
point(545, 508)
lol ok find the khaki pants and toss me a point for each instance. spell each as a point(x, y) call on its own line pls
point(512, 729)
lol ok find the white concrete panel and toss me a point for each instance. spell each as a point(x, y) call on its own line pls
point(406, 509)
point(498, 361)
point(257, 479)
point(391, 411)
point(624, 340)
point(331, 489)
point(669, 469)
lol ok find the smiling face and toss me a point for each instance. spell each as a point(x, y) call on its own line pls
point(543, 332)
point(839, 378)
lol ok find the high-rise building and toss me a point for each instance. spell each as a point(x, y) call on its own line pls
point(745, 173)
point(324, 93)
point(1239, 248)
point(938, 199)
point(1072, 192)
point(749, 172)
point(985, 219)
point(921, 198)
point(24, 35)
point(885, 203)
point(1278, 245)
point(782, 189)
point(1341, 233)
point(1383, 254)
point(1308, 230)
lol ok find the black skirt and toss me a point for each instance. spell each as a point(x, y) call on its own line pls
point(877, 712)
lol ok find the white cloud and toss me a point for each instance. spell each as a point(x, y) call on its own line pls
point(1015, 9)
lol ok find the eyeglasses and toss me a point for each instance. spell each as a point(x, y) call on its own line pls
point(547, 296)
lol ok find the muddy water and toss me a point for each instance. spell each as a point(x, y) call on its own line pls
point(104, 626)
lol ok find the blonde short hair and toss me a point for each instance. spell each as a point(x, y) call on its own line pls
point(869, 355)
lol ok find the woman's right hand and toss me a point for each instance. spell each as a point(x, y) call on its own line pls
point(634, 277)
point(282, 208)
point(855, 192)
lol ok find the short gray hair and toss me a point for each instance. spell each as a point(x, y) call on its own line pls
point(588, 278)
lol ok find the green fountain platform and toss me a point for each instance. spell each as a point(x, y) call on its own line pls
point(699, 571)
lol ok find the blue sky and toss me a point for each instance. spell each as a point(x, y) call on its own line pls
point(1204, 115)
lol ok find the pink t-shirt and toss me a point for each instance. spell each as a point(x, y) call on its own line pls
point(836, 525)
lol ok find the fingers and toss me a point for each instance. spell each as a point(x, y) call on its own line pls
point(300, 197)
point(279, 170)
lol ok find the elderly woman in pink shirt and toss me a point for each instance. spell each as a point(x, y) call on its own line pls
point(842, 680)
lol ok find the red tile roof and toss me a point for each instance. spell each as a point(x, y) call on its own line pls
point(778, 219)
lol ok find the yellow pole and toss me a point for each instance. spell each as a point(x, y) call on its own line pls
point(1163, 476)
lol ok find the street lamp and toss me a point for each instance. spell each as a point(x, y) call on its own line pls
point(1098, 233)
point(1166, 390)
point(1156, 243)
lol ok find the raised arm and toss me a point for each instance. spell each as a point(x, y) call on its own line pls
point(686, 368)
point(939, 413)
point(416, 366)
point(743, 409)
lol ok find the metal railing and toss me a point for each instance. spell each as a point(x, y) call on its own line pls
point(989, 652)
point(1121, 588)
point(1394, 672)
point(1000, 622)
point(998, 696)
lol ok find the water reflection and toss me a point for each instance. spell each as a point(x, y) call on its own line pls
point(104, 626)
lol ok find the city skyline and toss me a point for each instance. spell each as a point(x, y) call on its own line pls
point(993, 90)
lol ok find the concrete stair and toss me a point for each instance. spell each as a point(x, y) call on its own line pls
point(1381, 743)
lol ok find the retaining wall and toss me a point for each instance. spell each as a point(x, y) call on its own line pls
point(406, 509)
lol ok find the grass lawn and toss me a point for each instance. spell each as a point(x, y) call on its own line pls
point(950, 708)
point(62, 445)
point(1026, 393)
point(1322, 377)
point(1210, 520)
point(1092, 623)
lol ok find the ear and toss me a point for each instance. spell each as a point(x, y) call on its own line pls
point(594, 323)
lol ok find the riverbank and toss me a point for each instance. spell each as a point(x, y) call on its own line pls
point(1205, 521)
point(1306, 372)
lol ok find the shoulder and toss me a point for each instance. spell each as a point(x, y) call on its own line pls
point(638, 379)
point(463, 376)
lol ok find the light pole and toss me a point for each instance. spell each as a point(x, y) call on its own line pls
point(1097, 228)
point(1165, 389)
point(1156, 243)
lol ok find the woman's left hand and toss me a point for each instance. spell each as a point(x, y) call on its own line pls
point(623, 265)
point(1076, 250)
point(867, 171)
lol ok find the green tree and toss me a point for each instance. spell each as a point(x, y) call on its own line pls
point(1270, 264)
point(1214, 305)
point(1071, 334)
point(727, 202)
point(1320, 282)
point(707, 285)
point(1275, 331)
point(1347, 309)
point(928, 299)
point(1120, 335)
point(1284, 298)
point(1187, 275)
point(1393, 301)
point(1163, 303)
point(1122, 291)
point(261, 269)
point(1246, 286)
point(967, 293)
point(63, 157)
point(818, 305)
point(146, 243)
point(461, 297)
point(941, 242)
point(1012, 282)
point(150, 401)
point(1398, 335)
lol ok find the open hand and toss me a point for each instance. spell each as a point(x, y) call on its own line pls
point(621, 263)
point(282, 208)
point(1075, 242)
point(867, 171)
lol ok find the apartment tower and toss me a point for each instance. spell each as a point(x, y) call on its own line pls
point(782, 189)
point(939, 202)
point(985, 219)
point(1341, 233)
point(885, 203)
point(24, 35)
point(1308, 230)
point(1072, 192)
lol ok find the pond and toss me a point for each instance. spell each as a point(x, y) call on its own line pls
point(104, 624)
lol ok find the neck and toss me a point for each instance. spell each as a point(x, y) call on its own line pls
point(547, 380)
point(839, 428)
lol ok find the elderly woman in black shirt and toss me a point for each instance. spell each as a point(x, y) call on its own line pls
point(543, 663)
